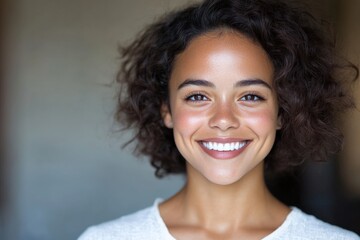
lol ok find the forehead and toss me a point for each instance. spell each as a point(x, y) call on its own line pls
point(223, 52)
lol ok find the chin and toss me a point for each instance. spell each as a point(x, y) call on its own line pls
point(224, 179)
point(232, 176)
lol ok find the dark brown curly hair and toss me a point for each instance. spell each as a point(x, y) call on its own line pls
point(311, 92)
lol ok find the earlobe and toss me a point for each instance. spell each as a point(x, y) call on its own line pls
point(166, 116)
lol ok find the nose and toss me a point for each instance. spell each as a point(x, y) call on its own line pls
point(224, 118)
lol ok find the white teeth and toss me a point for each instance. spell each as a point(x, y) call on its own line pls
point(224, 146)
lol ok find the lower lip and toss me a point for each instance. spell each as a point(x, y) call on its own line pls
point(223, 154)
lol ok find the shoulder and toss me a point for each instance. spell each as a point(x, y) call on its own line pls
point(143, 224)
point(300, 225)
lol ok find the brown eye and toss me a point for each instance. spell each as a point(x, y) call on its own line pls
point(251, 97)
point(197, 98)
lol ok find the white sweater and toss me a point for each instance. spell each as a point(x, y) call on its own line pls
point(147, 224)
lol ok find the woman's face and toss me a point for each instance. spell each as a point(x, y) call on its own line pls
point(224, 110)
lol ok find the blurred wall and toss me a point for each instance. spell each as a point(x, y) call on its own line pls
point(349, 28)
point(67, 170)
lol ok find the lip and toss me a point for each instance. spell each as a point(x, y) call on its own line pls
point(223, 155)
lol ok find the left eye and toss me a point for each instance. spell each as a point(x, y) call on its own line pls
point(197, 98)
point(251, 97)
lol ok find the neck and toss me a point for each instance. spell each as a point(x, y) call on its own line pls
point(227, 207)
point(240, 200)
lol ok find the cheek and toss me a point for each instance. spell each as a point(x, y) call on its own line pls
point(187, 121)
point(262, 120)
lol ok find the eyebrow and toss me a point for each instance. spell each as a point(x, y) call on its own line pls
point(196, 82)
point(241, 83)
point(249, 82)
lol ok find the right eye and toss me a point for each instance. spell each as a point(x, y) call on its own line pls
point(198, 97)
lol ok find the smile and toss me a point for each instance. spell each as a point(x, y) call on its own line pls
point(222, 147)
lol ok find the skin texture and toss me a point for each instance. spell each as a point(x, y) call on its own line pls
point(221, 91)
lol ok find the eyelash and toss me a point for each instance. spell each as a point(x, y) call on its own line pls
point(200, 97)
point(193, 97)
point(254, 97)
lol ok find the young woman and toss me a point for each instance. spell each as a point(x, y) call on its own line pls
point(225, 91)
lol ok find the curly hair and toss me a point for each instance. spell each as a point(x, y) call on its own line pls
point(311, 92)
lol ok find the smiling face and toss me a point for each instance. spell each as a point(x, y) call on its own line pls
point(224, 111)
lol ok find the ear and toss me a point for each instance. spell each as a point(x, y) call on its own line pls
point(166, 116)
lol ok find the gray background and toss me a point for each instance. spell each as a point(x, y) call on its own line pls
point(66, 169)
